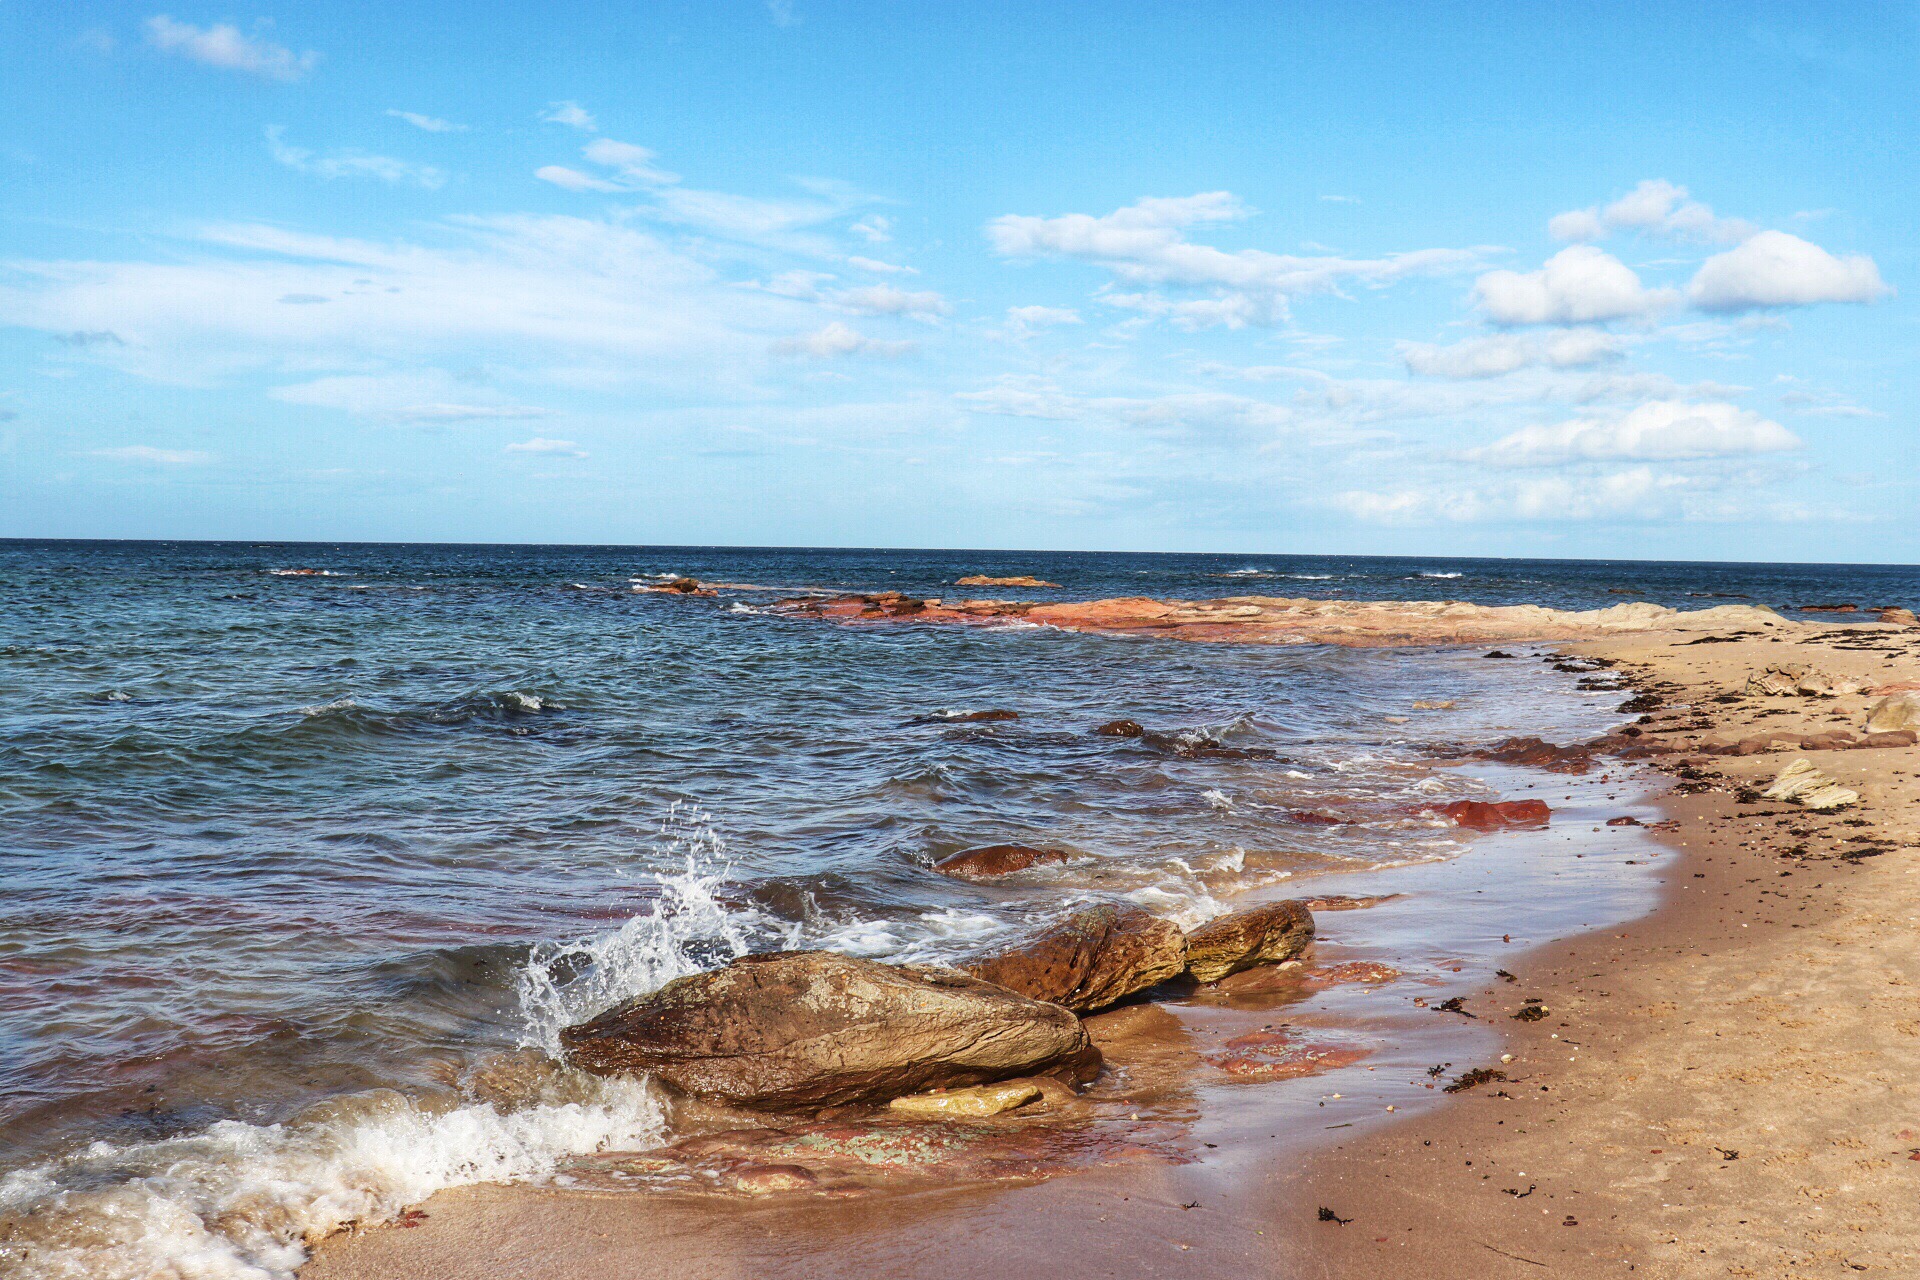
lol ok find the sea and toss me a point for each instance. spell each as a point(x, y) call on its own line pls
point(299, 841)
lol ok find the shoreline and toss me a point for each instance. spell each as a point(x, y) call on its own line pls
point(1733, 1102)
point(1409, 1207)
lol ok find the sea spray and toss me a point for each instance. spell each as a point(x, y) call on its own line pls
point(685, 930)
point(243, 1201)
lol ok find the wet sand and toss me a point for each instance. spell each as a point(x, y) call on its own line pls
point(1756, 1013)
point(1726, 1088)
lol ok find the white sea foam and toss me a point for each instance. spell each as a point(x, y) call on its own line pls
point(341, 705)
point(244, 1201)
point(1217, 799)
point(1427, 573)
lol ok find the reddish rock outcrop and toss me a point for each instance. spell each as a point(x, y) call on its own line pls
point(1347, 901)
point(1282, 1055)
point(1497, 815)
point(1537, 753)
point(982, 580)
point(1090, 959)
point(990, 862)
point(802, 1029)
point(1266, 934)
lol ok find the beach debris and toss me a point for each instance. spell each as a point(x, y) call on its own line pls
point(1638, 705)
point(1894, 712)
point(1530, 1012)
point(980, 1100)
point(1269, 934)
point(1623, 822)
point(1454, 1004)
point(795, 1029)
point(1797, 679)
point(982, 580)
point(1497, 815)
point(1328, 1215)
point(1090, 959)
point(990, 862)
point(1474, 1079)
point(1806, 786)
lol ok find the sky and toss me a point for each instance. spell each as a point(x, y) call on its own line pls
point(1533, 279)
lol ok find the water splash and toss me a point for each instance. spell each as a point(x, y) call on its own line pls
point(687, 929)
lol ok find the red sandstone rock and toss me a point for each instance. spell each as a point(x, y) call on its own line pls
point(982, 580)
point(1539, 754)
point(1347, 901)
point(990, 862)
point(1090, 959)
point(1121, 729)
point(803, 1029)
point(1267, 934)
point(1497, 815)
point(1282, 1055)
point(1891, 738)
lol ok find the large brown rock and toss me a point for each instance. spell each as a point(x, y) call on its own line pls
point(1895, 712)
point(1090, 959)
point(990, 862)
point(800, 1029)
point(1265, 934)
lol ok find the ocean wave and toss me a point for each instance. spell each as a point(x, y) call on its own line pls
point(243, 1201)
point(1429, 573)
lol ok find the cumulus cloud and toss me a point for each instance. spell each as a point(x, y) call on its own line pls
point(1145, 244)
point(878, 267)
point(1638, 493)
point(157, 457)
point(540, 444)
point(1578, 285)
point(1660, 430)
point(431, 124)
point(346, 163)
point(1775, 269)
point(886, 300)
point(836, 340)
point(1654, 207)
point(570, 114)
point(223, 45)
point(1504, 353)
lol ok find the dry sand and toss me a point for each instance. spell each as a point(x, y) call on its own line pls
point(1724, 1088)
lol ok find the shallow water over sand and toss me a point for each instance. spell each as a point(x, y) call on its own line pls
point(277, 841)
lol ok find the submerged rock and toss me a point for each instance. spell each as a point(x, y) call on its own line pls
point(1090, 959)
point(990, 862)
point(1895, 712)
point(1539, 754)
point(1121, 729)
point(1265, 934)
point(982, 580)
point(1497, 815)
point(800, 1029)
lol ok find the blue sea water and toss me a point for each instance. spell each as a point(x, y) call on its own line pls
point(295, 838)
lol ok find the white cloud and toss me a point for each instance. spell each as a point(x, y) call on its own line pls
point(540, 444)
point(836, 340)
point(1201, 415)
point(432, 124)
point(874, 228)
point(1660, 430)
point(886, 300)
point(1504, 353)
point(1656, 207)
point(352, 164)
point(222, 45)
point(1022, 321)
point(1775, 269)
point(878, 267)
point(1144, 244)
point(570, 114)
point(158, 457)
point(1635, 493)
point(1578, 285)
point(631, 162)
point(573, 179)
point(423, 395)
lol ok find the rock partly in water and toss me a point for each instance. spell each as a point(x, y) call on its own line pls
point(1090, 959)
point(1896, 616)
point(802, 1029)
point(1538, 753)
point(1806, 786)
point(982, 580)
point(1347, 901)
point(1895, 712)
point(980, 1100)
point(1797, 679)
point(990, 862)
point(1121, 729)
point(1265, 934)
point(1282, 1055)
point(1497, 815)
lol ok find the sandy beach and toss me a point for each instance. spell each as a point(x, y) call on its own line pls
point(1719, 1087)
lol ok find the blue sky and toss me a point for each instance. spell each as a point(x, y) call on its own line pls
point(1528, 279)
